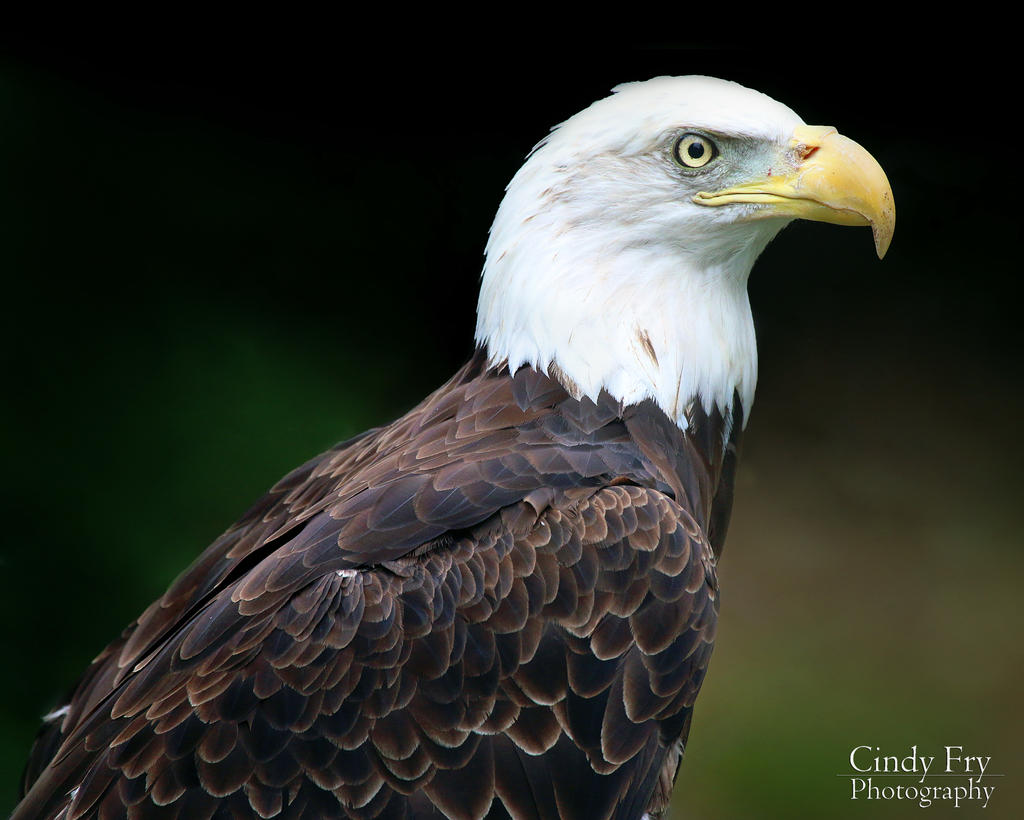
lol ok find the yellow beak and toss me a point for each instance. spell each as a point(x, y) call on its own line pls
point(826, 178)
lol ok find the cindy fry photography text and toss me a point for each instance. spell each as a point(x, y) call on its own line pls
point(871, 770)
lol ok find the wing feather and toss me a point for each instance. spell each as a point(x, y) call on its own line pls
point(426, 640)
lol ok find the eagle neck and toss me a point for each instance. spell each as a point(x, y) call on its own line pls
point(647, 321)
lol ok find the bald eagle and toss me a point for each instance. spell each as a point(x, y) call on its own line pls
point(502, 604)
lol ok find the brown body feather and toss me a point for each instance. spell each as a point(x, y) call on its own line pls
point(502, 604)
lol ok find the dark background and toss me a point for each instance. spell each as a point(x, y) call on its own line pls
point(223, 252)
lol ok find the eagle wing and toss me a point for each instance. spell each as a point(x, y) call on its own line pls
point(430, 620)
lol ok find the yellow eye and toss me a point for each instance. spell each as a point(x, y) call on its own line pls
point(694, 151)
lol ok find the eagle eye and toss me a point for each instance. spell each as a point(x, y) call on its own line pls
point(694, 151)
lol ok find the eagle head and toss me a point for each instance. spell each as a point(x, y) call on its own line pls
point(619, 257)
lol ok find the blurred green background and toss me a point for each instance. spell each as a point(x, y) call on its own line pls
point(222, 254)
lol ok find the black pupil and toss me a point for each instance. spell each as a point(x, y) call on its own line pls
point(695, 149)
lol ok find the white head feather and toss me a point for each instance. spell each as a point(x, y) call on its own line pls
point(601, 270)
